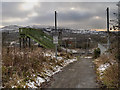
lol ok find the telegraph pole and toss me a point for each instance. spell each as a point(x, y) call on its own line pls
point(118, 15)
point(118, 37)
point(108, 33)
point(56, 33)
point(56, 21)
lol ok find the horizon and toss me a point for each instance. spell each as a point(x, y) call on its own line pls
point(58, 27)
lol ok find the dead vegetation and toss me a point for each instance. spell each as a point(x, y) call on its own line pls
point(107, 67)
point(18, 65)
point(107, 75)
point(110, 78)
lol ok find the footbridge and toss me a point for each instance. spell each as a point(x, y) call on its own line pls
point(37, 35)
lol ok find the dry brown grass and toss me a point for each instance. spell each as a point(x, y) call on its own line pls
point(110, 78)
point(101, 60)
point(110, 75)
point(19, 65)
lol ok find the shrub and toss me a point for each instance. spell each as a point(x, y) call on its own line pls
point(97, 53)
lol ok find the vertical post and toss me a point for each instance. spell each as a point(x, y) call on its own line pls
point(29, 41)
point(56, 33)
point(20, 37)
point(66, 45)
point(108, 20)
point(20, 42)
point(118, 38)
point(75, 42)
point(108, 41)
point(23, 42)
point(61, 37)
point(119, 15)
point(26, 41)
point(87, 47)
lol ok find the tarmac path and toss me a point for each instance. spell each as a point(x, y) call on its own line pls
point(79, 74)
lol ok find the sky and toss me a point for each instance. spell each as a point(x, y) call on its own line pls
point(76, 15)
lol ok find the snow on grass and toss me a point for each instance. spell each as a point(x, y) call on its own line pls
point(103, 67)
point(88, 57)
point(13, 42)
point(39, 80)
point(35, 79)
point(69, 50)
point(50, 72)
point(57, 69)
point(49, 54)
point(14, 86)
point(59, 58)
point(31, 84)
point(47, 73)
point(74, 51)
point(66, 62)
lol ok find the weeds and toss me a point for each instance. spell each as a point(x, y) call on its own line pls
point(18, 65)
point(109, 77)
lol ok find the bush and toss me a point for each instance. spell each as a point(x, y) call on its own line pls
point(97, 53)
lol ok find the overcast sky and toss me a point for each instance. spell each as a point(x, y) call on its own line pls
point(70, 14)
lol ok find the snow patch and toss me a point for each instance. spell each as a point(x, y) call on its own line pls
point(31, 84)
point(74, 51)
point(39, 80)
point(69, 50)
point(88, 57)
point(57, 69)
point(13, 42)
point(103, 67)
point(66, 62)
point(36, 44)
point(13, 86)
point(47, 73)
point(59, 58)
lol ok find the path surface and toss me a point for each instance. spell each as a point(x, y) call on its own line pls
point(80, 74)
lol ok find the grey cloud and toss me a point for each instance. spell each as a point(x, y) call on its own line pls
point(81, 17)
point(12, 10)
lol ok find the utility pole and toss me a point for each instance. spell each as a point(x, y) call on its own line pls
point(56, 33)
point(118, 15)
point(118, 37)
point(108, 33)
